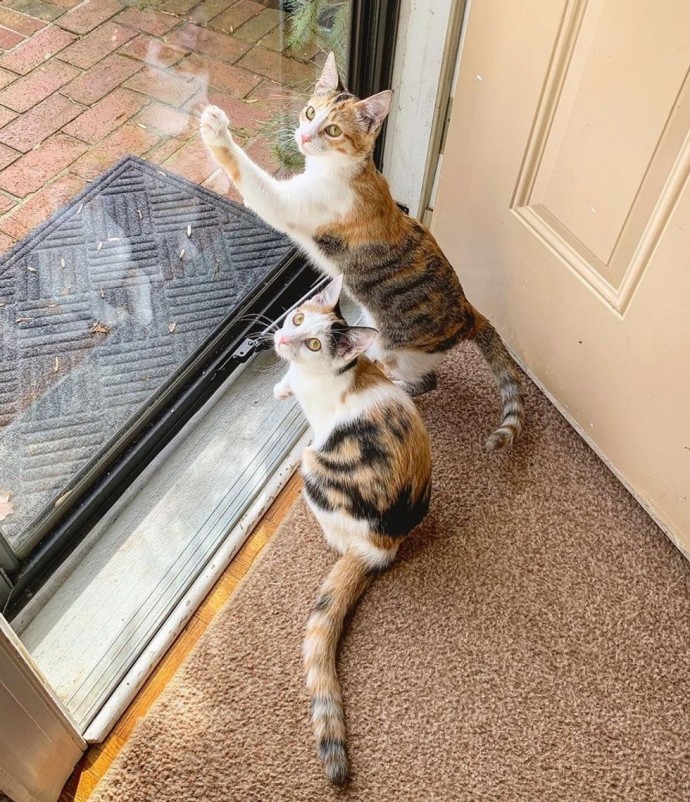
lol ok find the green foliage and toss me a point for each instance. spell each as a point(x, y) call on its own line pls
point(284, 146)
point(321, 23)
point(304, 16)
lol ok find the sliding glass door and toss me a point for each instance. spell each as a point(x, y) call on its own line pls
point(123, 314)
point(143, 440)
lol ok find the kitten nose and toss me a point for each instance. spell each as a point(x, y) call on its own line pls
point(283, 339)
point(305, 138)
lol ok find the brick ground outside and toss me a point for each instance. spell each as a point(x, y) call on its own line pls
point(84, 83)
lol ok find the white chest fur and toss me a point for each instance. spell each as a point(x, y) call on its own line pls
point(320, 399)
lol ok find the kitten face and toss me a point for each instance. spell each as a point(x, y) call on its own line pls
point(336, 123)
point(316, 336)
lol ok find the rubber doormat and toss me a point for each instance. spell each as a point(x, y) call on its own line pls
point(100, 305)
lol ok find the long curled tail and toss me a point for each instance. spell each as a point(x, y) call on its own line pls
point(346, 582)
point(508, 380)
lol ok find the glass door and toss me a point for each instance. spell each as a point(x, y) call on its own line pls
point(167, 286)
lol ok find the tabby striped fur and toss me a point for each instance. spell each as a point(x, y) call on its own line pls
point(367, 478)
point(340, 211)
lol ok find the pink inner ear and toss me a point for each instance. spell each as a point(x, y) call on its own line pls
point(358, 340)
point(328, 297)
point(372, 111)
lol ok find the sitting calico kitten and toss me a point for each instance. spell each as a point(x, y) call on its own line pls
point(367, 478)
point(340, 211)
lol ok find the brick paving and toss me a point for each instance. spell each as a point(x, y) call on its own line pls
point(84, 83)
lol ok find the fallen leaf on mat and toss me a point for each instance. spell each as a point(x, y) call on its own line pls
point(172, 327)
point(6, 506)
point(99, 328)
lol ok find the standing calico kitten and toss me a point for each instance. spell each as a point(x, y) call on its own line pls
point(340, 211)
point(367, 478)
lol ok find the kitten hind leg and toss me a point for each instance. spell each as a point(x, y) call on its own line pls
point(425, 384)
point(414, 371)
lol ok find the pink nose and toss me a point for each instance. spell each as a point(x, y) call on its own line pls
point(283, 339)
point(305, 138)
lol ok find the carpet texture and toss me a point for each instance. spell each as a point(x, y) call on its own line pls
point(99, 308)
point(531, 643)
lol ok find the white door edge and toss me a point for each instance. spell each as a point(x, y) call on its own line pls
point(39, 742)
point(418, 72)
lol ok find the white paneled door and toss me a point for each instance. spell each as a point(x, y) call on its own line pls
point(564, 205)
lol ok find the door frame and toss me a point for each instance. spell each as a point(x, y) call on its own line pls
point(39, 742)
point(426, 57)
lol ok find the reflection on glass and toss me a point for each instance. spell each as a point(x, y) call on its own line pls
point(98, 311)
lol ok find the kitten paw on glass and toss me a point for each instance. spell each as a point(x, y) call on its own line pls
point(215, 126)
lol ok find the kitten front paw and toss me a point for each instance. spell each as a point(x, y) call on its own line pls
point(214, 127)
point(282, 392)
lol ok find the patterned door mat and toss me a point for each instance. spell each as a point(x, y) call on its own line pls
point(100, 306)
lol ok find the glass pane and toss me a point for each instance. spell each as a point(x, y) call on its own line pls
point(102, 310)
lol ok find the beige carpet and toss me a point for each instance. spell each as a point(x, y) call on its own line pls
point(532, 643)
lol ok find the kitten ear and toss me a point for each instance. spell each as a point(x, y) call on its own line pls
point(355, 341)
point(329, 80)
point(372, 111)
point(328, 297)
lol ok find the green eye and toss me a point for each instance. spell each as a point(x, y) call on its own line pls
point(309, 112)
point(314, 344)
point(298, 319)
point(333, 130)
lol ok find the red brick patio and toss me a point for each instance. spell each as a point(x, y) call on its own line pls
point(84, 83)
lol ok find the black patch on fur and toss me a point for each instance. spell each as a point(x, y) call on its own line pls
point(449, 342)
point(330, 244)
point(316, 495)
point(320, 700)
point(347, 367)
point(323, 603)
point(343, 96)
point(334, 465)
point(404, 513)
point(415, 282)
point(328, 746)
point(359, 428)
point(356, 505)
point(399, 423)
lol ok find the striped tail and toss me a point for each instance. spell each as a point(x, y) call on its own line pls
point(346, 582)
point(508, 380)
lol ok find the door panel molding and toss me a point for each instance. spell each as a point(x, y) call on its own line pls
point(609, 341)
point(623, 238)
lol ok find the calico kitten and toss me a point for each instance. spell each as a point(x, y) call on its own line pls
point(340, 211)
point(367, 478)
